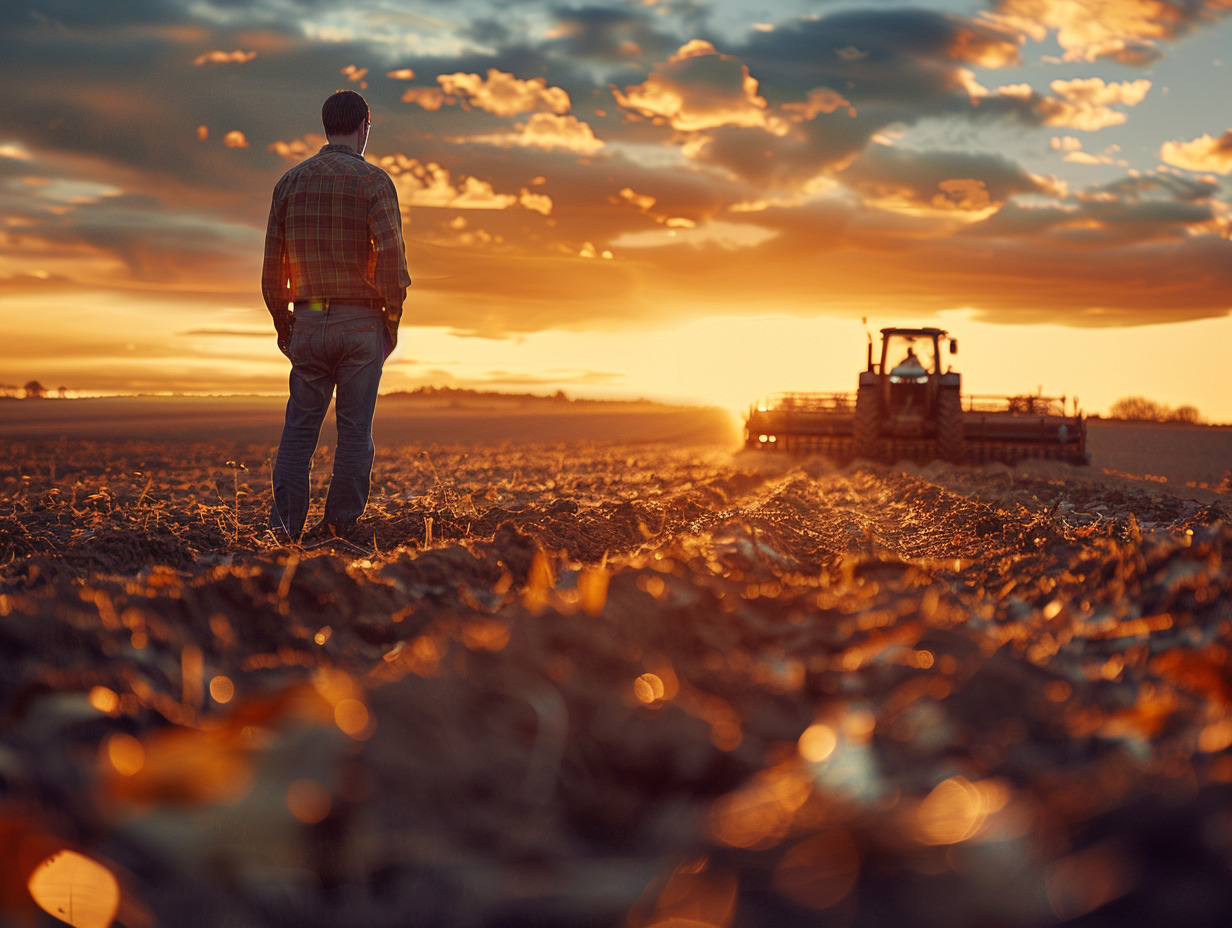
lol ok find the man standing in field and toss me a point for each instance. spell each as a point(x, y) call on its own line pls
point(334, 251)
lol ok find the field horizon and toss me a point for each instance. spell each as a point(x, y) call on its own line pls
point(1185, 457)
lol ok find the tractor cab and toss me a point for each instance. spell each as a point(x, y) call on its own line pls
point(909, 376)
point(908, 395)
point(913, 357)
point(907, 355)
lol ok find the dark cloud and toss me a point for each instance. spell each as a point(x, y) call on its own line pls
point(771, 162)
point(157, 242)
point(606, 34)
point(887, 67)
point(900, 58)
point(1172, 186)
point(921, 178)
point(491, 32)
point(61, 15)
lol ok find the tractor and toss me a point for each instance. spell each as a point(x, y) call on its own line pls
point(908, 407)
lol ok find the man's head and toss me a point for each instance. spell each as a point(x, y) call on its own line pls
point(345, 113)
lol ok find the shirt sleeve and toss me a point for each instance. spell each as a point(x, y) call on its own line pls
point(390, 277)
point(276, 268)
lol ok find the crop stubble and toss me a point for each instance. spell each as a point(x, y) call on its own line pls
point(604, 685)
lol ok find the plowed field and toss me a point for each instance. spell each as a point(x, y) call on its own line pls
point(597, 684)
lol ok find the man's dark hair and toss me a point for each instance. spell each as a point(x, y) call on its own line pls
point(343, 112)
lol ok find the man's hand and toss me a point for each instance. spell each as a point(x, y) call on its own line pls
point(392, 318)
point(284, 327)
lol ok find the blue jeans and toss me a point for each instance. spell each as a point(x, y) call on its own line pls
point(344, 347)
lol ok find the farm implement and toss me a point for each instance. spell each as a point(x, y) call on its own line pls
point(907, 407)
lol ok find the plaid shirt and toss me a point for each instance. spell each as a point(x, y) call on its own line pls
point(335, 232)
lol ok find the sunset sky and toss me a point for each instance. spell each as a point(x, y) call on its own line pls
point(688, 200)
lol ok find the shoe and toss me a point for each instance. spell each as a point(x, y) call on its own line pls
point(317, 535)
point(280, 535)
point(353, 538)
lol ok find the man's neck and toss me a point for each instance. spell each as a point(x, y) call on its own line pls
point(349, 141)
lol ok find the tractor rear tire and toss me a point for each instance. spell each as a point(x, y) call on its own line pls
point(951, 443)
point(867, 423)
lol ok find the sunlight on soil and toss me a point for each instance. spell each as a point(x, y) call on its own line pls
point(605, 684)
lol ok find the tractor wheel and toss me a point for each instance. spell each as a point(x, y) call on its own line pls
point(951, 444)
point(867, 422)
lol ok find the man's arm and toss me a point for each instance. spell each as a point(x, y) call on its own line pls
point(390, 276)
point(276, 276)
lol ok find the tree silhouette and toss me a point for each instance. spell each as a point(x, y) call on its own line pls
point(1141, 409)
point(35, 390)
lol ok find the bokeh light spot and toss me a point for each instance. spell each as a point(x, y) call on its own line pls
point(957, 809)
point(125, 754)
point(696, 897)
point(352, 717)
point(76, 890)
point(759, 814)
point(649, 688)
point(222, 690)
point(104, 699)
point(819, 871)
point(817, 743)
point(309, 800)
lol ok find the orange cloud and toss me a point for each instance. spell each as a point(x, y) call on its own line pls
point(643, 201)
point(221, 57)
point(1088, 103)
point(429, 98)
point(1122, 30)
point(820, 100)
point(966, 199)
point(298, 149)
point(14, 150)
point(355, 75)
point(547, 131)
point(499, 93)
point(1201, 154)
point(966, 194)
point(431, 185)
point(537, 202)
point(983, 49)
point(697, 89)
point(235, 139)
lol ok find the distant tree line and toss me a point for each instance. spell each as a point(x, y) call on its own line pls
point(448, 392)
point(1140, 409)
point(30, 390)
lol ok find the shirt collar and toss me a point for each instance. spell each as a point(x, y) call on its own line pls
point(345, 149)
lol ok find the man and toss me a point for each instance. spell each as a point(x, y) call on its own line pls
point(334, 251)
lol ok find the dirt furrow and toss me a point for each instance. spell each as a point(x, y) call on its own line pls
point(628, 686)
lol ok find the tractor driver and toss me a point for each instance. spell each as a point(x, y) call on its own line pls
point(910, 366)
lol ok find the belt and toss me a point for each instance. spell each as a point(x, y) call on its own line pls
point(322, 305)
